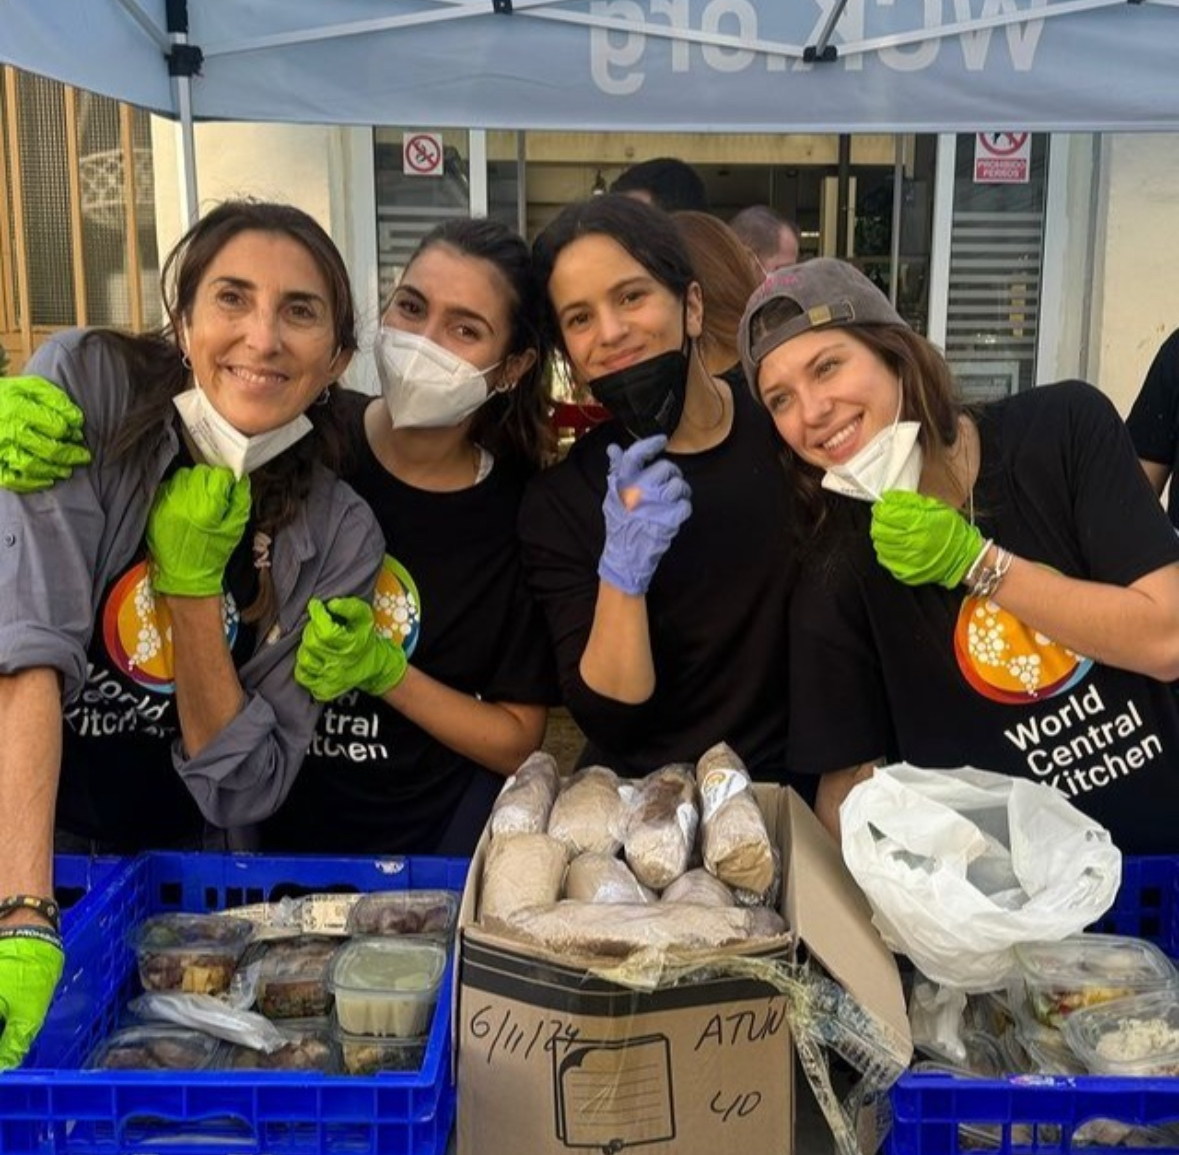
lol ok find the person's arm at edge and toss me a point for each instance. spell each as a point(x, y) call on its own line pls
point(208, 692)
point(30, 765)
point(617, 661)
point(834, 787)
point(1156, 473)
point(246, 768)
point(1135, 627)
point(497, 735)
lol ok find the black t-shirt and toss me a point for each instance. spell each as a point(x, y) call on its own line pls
point(937, 678)
point(452, 593)
point(717, 605)
point(1154, 419)
point(118, 784)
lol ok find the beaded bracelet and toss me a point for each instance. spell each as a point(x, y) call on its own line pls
point(45, 907)
point(989, 578)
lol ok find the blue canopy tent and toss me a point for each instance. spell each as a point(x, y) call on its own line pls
point(819, 66)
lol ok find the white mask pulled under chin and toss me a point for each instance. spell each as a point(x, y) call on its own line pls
point(424, 385)
point(891, 460)
point(220, 443)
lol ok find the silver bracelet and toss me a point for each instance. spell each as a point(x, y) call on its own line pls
point(990, 577)
point(971, 573)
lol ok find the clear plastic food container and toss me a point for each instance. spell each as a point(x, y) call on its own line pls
point(1086, 970)
point(387, 986)
point(155, 1047)
point(292, 977)
point(367, 1054)
point(1134, 1036)
point(312, 1047)
point(194, 953)
point(424, 912)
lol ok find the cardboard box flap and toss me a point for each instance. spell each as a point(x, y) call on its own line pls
point(829, 913)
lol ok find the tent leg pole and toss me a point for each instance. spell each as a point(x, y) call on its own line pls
point(477, 171)
point(189, 201)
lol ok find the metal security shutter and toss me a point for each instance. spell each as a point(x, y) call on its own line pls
point(77, 213)
point(993, 305)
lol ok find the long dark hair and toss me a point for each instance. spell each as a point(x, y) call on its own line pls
point(648, 234)
point(157, 372)
point(928, 391)
point(513, 424)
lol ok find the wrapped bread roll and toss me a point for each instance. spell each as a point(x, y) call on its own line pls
point(661, 829)
point(589, 813)
point(602, 878)
point(615, 931)
point(520, 872)
point(525, 802)
point(699, 888)
point(734, 841)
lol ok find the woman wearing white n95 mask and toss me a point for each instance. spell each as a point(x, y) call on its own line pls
point(158, 557)
point(440, 689)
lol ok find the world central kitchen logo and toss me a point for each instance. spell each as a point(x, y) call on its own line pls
point(716, 34)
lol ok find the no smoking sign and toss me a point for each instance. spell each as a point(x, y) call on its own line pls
point(421, 154)
point(1002, 157)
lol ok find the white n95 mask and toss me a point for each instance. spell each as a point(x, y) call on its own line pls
point(891, 460)
point(424, 385)
point(220, 443)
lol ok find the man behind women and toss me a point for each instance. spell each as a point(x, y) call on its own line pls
point(156, 596)
point(771, 239)
point(1154, 424)
point(658, 547)
point(665, 182)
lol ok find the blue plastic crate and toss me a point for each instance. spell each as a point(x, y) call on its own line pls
point(1025, 1114)
point(77, 879)
point(52, 1107)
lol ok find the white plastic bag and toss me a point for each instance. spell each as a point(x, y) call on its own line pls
point(959, 865)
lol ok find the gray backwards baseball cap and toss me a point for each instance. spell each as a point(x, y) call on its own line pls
point(825, 293)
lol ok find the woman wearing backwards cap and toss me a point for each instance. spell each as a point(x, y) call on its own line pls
point(996, 588)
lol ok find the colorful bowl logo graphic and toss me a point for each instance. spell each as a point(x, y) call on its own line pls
point(1008, 661)
point(137, 631)
point(397, 609)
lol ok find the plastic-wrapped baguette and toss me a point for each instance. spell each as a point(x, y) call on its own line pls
point(603, 878)
point(734, 841)
point(520, 872)
point(526, 800)
point(589, 813)
point(661, 831)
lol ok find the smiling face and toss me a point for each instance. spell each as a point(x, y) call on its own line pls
point(260, 331)
point(829, 394)
point(460, 302)
point(611, 311)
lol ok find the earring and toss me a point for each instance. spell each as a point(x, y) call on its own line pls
point(184, 360)
point(325, 396)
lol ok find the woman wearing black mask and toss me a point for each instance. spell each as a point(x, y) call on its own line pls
point(658, 548)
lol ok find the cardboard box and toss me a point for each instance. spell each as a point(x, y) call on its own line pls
point(553, 1059)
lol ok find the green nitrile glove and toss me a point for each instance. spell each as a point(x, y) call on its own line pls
point(196, 521)
point(29, 972)
point(342, 650)
point(40, 434)
point(921, 540)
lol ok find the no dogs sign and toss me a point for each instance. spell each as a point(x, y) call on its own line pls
point(1002, 157)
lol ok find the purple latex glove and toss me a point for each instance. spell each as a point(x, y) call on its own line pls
point(646, 503)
